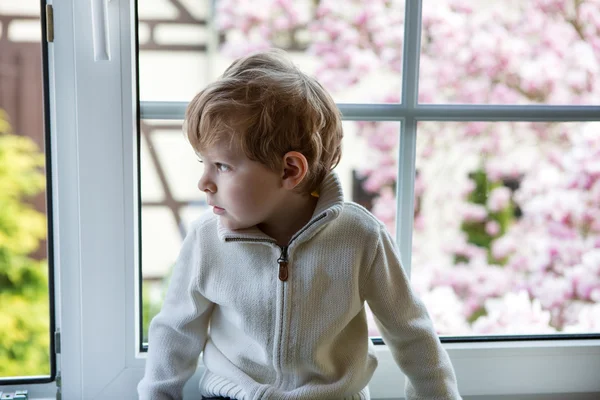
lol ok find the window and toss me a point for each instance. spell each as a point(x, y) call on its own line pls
point(26, 241)
point(458, 268)
point(202, 39)
point(170, 199)
point(515, 212)
point(100, 209)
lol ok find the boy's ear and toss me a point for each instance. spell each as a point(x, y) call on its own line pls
point(295, 168)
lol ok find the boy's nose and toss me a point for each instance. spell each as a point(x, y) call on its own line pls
point(206, 185)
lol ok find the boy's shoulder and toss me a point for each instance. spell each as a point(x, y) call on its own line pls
point(207, 221)
point(360, 218)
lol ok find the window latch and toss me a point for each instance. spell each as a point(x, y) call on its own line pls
point(49, 23)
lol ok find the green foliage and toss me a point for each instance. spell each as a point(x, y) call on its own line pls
point(24, 312)
point(150, 307)
point(476, 232)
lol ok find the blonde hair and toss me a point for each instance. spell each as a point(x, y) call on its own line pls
point(265, 105)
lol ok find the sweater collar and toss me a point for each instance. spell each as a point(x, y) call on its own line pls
point(329, 207)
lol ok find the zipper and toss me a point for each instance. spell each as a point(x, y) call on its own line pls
point(282, 261)
point(279, 353)
point(320, 217)
point(283, 258)
point(283, 264)
point(283, 275)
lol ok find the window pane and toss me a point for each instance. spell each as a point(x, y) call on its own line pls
point(24, 296)
point(507, 231)
point(510, 52)
point(170, 199)
point(350, 49)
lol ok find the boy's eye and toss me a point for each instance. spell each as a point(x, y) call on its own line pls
point(222, 167)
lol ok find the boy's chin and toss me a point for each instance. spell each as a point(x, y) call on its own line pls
point(233, 225)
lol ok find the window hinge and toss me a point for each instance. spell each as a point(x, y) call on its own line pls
point(49, 23)
point(57, 341)
point(58, 386)
point(58, 376)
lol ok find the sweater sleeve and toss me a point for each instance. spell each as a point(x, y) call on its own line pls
point(406, 327)
point(178, 333)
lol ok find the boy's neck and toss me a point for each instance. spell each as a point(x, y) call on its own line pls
point(295, 214)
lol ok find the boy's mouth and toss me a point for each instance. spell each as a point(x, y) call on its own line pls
point(218, 210)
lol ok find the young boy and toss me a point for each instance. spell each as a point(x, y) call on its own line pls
point(271, 286)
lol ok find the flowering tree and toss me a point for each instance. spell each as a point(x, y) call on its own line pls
point(517, 233)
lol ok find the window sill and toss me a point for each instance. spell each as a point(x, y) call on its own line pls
point(507, 369)
point(500, 371)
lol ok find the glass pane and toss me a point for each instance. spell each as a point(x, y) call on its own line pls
point(507, 239)
point(349, 49)
point(171, 200)
point(24, 297)
point(510, 52)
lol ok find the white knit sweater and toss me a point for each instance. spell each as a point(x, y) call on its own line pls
point(304, 337)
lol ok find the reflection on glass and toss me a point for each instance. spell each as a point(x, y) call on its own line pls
point(510, 52)
point(507, 234)
point(170, 198)
point(24, 297)
point(350, 49)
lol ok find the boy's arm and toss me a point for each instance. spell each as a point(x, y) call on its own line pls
point(406, 327)
point(178, 333)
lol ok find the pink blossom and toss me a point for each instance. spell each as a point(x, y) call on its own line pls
point(446, 311)
point(512, 314)
point(475, 128)
point(473, 212)
point(468, 251)
point(467, 189)
point(588, 320)
point(503, 247)
point(384, 208)
point(585, 277)
point(551, 291)
point(492, 228)
point(499, 199)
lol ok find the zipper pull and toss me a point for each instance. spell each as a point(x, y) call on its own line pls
point(283, 265)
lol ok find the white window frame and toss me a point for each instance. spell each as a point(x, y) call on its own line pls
point(93, 114)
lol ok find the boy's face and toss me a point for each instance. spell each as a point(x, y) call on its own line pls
point(242, 192)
